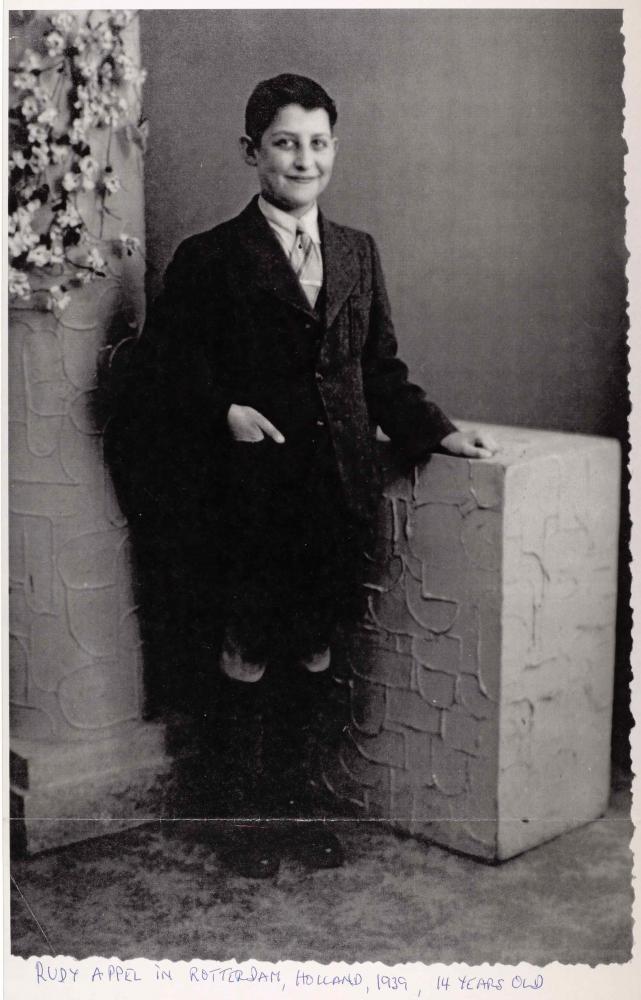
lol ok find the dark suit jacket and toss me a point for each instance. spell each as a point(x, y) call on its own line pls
point(234, 326)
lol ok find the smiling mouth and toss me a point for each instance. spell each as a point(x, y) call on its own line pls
point(302, 180)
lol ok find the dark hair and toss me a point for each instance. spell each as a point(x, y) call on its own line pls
point(270, 95)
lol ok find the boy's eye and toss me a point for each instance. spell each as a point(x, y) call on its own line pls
point(319, 143)
point(285, 143)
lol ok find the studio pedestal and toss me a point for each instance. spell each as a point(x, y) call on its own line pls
point(83, 762)
point(66, 792)
point(481, 681)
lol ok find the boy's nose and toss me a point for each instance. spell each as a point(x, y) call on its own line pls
point(303, 157)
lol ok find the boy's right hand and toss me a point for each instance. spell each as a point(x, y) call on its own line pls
point(247, 424)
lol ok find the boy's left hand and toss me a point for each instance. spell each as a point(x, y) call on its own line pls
point(470, 444)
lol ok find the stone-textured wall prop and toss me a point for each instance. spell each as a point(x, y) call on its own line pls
point(75, 674)
point(481, 678)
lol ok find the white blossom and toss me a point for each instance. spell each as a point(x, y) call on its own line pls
point(37, 133)
point(80, 41)
point(39, 256)
point(71, 181)
point(60, 299)
point(17, 160)
point(95, 260)
point(78, 131)
point(39, 158)
point(130, 72)
point(59, 152)
point(128, 243)
point(68, 218)
point(120, 18)
point(24, 81)
point(57, 251)
point(88, 66)
point(29, 107)
point(48, 116)
point(112, 183)
point(55, 43)
point(106, 72)
point(16, 246)
point(30, 61)
point(64, 21)
point(19, 284)
point(88, 165)
point(22, 233)
point(104, 37)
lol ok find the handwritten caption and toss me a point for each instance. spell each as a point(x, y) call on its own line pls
point(297, 980)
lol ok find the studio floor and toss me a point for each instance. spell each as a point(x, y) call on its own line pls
point(158, 891)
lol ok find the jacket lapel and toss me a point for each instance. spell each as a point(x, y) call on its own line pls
point(258, 249)
point(340, 267)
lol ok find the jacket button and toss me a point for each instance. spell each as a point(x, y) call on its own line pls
point(318, 376)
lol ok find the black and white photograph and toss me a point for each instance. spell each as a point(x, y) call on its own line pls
point(318, 509)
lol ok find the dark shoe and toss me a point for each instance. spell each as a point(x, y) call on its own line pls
point(253, 853)
point(311, 843)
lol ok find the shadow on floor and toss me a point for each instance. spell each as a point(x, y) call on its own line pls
point(159, 892)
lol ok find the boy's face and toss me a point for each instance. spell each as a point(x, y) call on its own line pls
point(295, 157)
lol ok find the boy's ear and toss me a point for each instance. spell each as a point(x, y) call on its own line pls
point(247, 150)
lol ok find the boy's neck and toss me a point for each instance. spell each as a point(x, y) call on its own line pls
point(296, 213)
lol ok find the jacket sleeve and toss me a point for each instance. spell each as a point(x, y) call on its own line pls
point(171, 405)
point(182, 336)
point(415, 425)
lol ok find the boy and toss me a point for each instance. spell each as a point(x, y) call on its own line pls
point(272, 357)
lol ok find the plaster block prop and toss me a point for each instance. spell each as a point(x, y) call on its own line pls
point(490, 642)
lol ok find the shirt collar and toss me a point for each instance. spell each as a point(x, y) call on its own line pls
point(288, 224)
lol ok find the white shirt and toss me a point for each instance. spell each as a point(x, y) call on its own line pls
point(285, 225)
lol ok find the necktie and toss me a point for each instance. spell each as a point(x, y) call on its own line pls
point(308, 265)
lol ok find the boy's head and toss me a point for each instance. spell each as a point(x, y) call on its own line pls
point(269, 96)
point(289, 138)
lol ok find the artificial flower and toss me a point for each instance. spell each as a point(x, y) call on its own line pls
point(63, 21)
point(55, 43)
point(120, 18)
point(48, 116)
point(19, 284)
point(128, 243)
point(59, 152)
point(29, 108)
point(88, 165)
point(71, 181)
point(95, 260)
point(39, 158)
point(39, 256)
point(104, 37)
point(60, 298)
point(68, 218)
point(30, 61)
point(37, 133)
point(111, 182)
point(78, 131)
point(17, 160)
point(24, 81)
